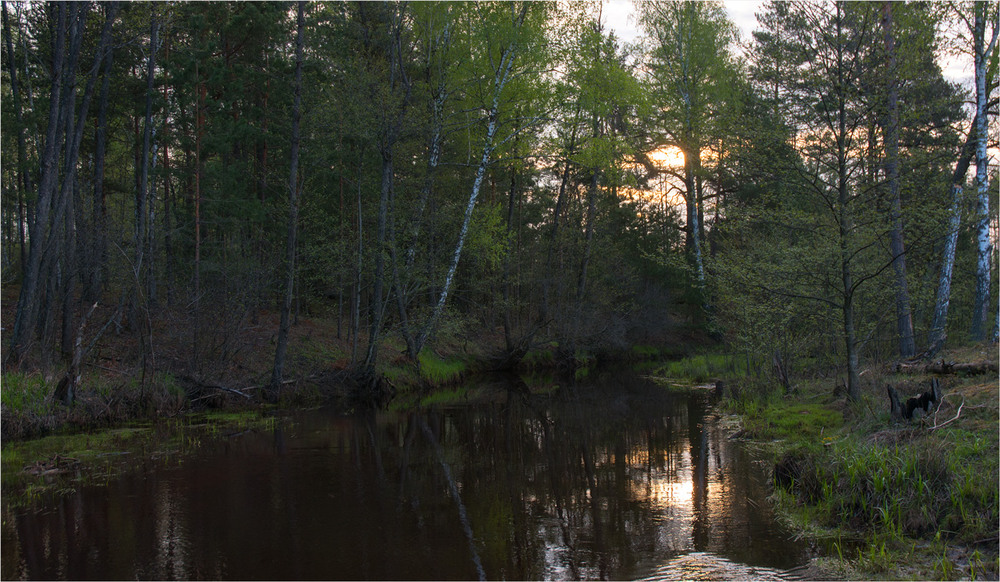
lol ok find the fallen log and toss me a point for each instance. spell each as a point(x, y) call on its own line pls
point(976, 368)
point(943, 368)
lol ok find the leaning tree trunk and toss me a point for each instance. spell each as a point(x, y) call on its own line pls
point(53, 198)
point(543, 311)
point(377, 305)
point(26, 318)
point(399, 84)
point(943, 298)
point(500, 79)
point(142, 194)
point(293, 208)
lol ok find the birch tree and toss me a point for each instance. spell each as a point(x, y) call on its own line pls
point(984, 28)
point(505, 46)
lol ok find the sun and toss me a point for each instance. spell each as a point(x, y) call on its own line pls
point(667, 157)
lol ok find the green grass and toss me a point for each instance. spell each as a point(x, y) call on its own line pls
point(703, 368)
point(889, 487)
point(24, 394)
point(439, 371)
point(902, 500)
point(901, 492)
point(791, 420)
point(541, 357)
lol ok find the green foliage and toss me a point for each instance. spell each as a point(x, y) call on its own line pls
point(488, 237)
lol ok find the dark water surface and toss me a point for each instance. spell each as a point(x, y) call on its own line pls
point(614, 478)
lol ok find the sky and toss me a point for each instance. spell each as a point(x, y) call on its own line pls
point(620, 17)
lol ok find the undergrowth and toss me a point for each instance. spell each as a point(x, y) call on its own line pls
point(922, 495)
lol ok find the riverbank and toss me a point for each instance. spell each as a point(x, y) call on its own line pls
point(235, 372)
point(911, 499)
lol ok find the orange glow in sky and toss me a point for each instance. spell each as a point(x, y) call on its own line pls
point(667, 157)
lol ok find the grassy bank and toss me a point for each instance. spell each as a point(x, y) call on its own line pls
point(913, 499)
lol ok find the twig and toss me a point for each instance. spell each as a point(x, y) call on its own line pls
point(283, 383)
point(940, 402)
point(957, 414)
point(101, 331)
point(198, 382)
point(223, 388)
point(234, 391)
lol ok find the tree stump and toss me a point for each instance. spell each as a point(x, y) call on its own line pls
point(918, 405)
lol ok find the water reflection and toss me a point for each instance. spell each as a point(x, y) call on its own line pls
point(614, 478)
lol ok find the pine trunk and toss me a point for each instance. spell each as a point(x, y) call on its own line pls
point(293, 208)
point(904, 318)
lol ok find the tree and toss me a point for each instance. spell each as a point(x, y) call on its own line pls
point(691, 75)
point(388, 44)
point(293, 205)
point(904, 318)
point(514, 37)
point(937, 334)
point(23, 174)
point(984, 55)
point(828, 111)
point(58, 160)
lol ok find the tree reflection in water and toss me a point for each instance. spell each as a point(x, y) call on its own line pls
point(610, 478)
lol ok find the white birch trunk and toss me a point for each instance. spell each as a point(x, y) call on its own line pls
point(984, 246)
point(500, 79)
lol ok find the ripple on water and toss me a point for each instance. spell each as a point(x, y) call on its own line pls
point(705, 566)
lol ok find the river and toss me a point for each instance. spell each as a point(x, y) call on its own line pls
point(612, 477)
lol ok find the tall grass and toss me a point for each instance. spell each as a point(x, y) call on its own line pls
point(24, 394)
point(904, 491)
point(437, 371)
point(704, 367)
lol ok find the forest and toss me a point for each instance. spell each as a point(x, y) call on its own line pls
point(180, 177)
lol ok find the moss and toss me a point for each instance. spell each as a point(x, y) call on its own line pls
point(41, 466)
point(799, 422)
point(645, 352)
